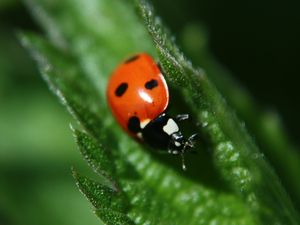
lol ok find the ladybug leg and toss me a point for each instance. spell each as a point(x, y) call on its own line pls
point(190, 144)
point(182, 117)
point(191, 140)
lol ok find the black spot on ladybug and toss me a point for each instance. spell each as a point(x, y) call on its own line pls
point(134, 124)
point(131, 59)
point(151, 84)
point(121, 89)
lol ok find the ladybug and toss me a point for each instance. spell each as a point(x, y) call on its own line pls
point(138, 96)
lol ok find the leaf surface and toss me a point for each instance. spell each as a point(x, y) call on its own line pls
point(227, 182)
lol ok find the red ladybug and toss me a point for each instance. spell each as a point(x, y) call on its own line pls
point(138, 96)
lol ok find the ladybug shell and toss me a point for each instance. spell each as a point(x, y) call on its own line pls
point(137, 89)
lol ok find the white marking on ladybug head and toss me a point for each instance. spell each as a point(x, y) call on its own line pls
point(171, 127)
point(144, 123)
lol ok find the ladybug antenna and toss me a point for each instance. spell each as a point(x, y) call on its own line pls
point(191, 140)
point(183, 161)
point(188, 144)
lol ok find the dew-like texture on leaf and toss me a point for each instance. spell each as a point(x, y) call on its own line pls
point(227, 185)
point(270, 133)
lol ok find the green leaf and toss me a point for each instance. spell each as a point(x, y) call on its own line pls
point(101, 196)
point(99, 159)
point(108, 203)
point(253, 179)
point(265, 124)
point(111, 218)
point(230, 184)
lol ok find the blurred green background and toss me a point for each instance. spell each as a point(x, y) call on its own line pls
point(258, 41)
